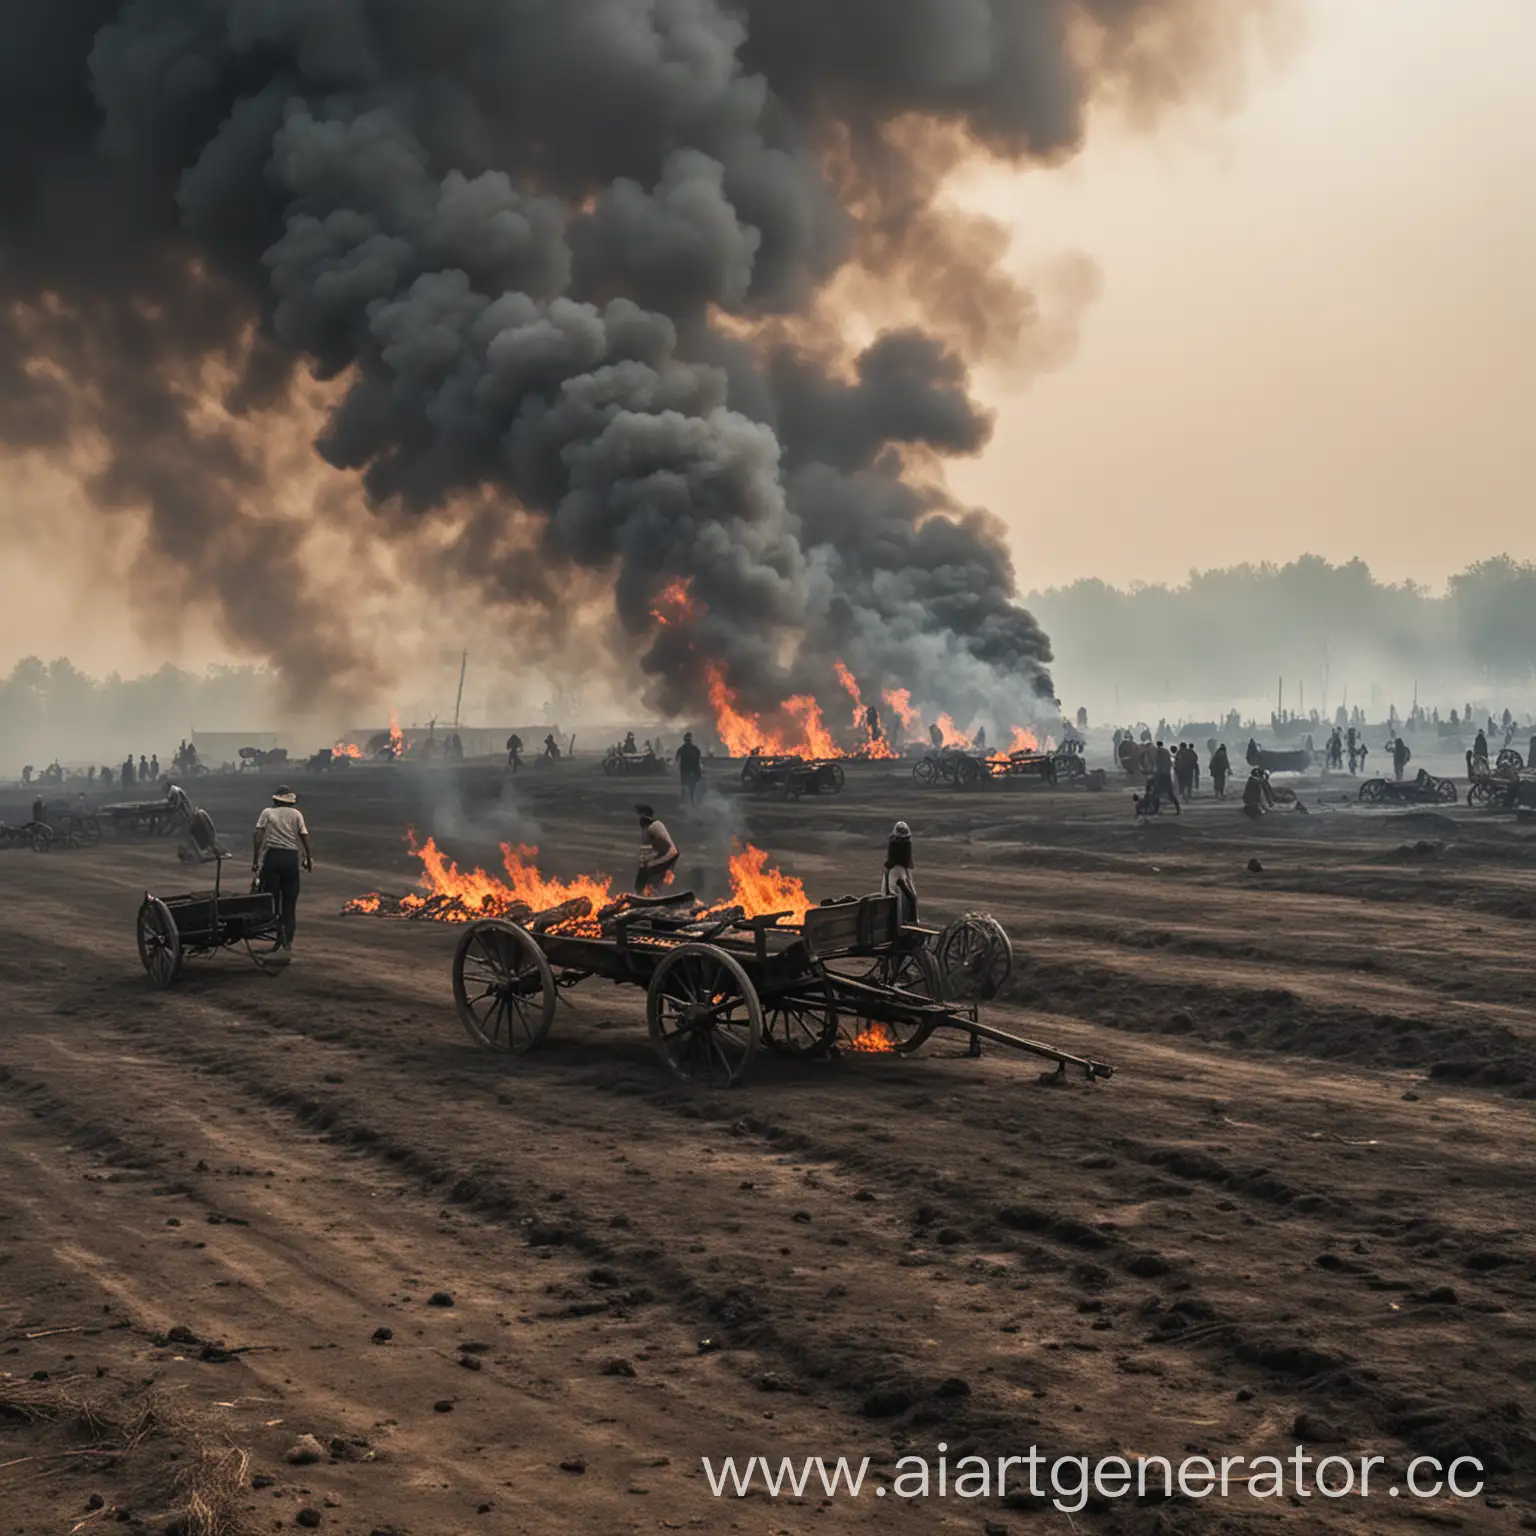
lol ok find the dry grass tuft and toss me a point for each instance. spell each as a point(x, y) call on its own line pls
point(211, 1480)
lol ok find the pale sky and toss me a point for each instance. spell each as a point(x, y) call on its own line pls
point(1318, 325)
point(1317, 331)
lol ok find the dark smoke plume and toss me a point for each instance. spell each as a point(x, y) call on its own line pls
point(569, 252)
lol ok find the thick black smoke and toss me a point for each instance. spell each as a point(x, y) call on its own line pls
point(545, 243)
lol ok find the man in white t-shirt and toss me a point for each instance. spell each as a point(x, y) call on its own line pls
point(281, 839)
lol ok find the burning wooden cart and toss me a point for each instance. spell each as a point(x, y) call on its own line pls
point(171, 928)
point(962, 769)
point(719, 986)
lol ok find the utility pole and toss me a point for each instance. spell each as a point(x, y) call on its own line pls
point(458, 702)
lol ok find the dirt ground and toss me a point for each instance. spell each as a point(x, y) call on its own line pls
point(1300, 1211)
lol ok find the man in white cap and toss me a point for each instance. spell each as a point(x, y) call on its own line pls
point(281, 837)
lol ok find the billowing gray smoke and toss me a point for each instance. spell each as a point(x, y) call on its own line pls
point(558, 249)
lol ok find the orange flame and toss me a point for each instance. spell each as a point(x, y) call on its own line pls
point(346, 749)
point(850, 684)
point(1024, 740)
point(900, 699)
point(396, 736)
point(741, 733)
point(871, 1038)
point(464, 896)
point(675, 603)
point(815, 737)
point(951, 733)
point(874, 746)
point(759, 889)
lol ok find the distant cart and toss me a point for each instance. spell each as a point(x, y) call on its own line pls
point(36, 835)
point(170, 929)
point(620, 764)
point(961, 769)
point(149, 818)
point(789, 777)
point(720, 987)
point(1423, 789)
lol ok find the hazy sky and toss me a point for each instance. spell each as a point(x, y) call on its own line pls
point(1317, 331)
point(1318, 325)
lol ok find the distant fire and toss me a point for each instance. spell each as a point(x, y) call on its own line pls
point(447, 894)
point(741, 733)
point(396, 736)
point(675, 603)
point(874, 742)
point(346, 749)
point(952, 734)
point(1024, 740)
point(817, 739)
point(900, 700)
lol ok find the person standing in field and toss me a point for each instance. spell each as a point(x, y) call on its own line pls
point(278, 850)
point(690, 769)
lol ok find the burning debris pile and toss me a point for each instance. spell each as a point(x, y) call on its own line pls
point(583, 906)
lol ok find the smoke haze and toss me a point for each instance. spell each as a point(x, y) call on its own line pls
point(570, 272)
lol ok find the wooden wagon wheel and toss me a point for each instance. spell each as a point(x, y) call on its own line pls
point(1509, 758)
point(1484, 793)
point(975, 957)
point(1373, 791)
point(838, 778)
point(1446, 792)
point(40, 835)
point(925, 772)
point(803, 1024)
point(90, 831)
point(503, 987)
point(915, 971)
point(159, 942)
point(704, 1016)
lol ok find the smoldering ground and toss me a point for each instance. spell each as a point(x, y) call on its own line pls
point(576, 258)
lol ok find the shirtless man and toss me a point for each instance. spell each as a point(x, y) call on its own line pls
point(658, 853)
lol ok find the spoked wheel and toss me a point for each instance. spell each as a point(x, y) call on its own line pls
point(40, 835)
point(838, 778)
point(751, 772)
point(975, 957)
point(159, 942)
point(89, 831)
point(704, 1016)
point(912, 971)
point(1509, 758)
point(969, 774)
point(803, 1024)
point(1373, 791)
point(1446, 792)
point(1483, 793)
point(503, 987)
point(925, 772)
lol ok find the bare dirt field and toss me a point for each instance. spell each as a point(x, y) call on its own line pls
point(1300, 1212)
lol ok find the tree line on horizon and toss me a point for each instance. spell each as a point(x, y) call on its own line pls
point(1228, 633)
